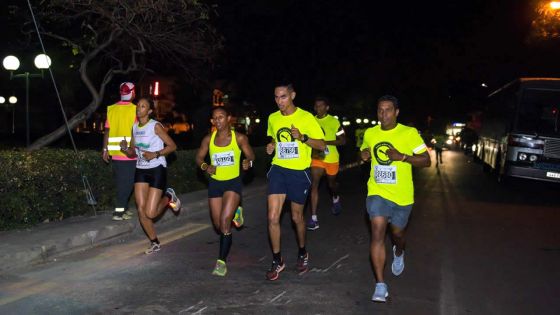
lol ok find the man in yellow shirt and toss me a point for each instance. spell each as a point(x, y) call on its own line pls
point(325, 161)
point(294, 133)
point(393, 149)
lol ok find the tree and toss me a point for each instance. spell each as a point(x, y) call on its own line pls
point(113, 37)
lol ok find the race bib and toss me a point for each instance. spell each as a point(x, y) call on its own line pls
point(287, 150)
point(223, 158)
point(327, 150)
point(140, 160)
point(385, 174)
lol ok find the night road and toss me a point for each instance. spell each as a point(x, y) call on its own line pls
point(474, 247)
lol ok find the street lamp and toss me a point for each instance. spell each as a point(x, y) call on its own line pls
point(11, 63)
point(13, 101)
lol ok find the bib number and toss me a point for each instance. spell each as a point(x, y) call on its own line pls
point(287, 150)
point(223, 158)
point(385, 174)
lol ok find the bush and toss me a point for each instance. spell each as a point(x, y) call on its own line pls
point(47, 184)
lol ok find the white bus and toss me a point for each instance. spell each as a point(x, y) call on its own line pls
point(519, 133)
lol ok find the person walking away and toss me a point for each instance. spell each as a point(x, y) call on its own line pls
point(393, 149)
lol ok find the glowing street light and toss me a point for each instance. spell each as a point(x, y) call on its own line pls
point(555, 5)
point(11, 63)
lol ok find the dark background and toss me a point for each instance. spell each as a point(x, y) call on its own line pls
point(432, 55)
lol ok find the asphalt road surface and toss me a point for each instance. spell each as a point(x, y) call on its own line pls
point(474, 247)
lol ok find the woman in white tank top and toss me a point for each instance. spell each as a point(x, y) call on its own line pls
point(150, 144)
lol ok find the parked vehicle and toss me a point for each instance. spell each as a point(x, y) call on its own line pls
point(519, 134)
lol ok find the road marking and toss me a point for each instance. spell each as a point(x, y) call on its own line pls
point(332, 265)
point(277, 297)
point(117, 254)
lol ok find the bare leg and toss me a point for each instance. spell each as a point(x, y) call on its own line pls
point(215, 205)
point(230, 202)
point(377, 246)
point(316, 173)
point(141, 197)
point(397, 234)
point(297, 218)
point(275, 202)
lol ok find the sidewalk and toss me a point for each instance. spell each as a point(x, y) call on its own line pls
point(23, 248)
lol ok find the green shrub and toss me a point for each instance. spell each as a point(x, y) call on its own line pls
point(47, 184)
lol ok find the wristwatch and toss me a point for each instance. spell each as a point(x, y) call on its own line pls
point(304, 138)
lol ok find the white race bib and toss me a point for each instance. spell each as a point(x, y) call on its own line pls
point(287, 150)
point(140, 160)
point(223, 158)
point(385, 174)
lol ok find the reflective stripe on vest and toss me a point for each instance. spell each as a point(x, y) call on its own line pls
point(121, 117)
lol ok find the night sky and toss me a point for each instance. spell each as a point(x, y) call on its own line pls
point(432, 55)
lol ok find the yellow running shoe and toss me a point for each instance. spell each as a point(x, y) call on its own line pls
point(220, 269)
point(238, 217)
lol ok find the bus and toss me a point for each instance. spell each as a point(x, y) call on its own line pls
point(519, 130)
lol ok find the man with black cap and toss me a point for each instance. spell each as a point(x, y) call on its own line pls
point(118, 126)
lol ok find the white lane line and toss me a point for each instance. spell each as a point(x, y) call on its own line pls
point(277, 297)
point(200, 310)
point(447, 298)
point(332, 265)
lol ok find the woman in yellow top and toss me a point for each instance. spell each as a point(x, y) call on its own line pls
point(224, 185)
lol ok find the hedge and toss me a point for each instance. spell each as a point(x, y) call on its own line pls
point(46, 185)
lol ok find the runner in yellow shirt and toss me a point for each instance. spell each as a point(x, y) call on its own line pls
point(393, 149)
point(294, 133)
point(325, 161)
point(224, 146)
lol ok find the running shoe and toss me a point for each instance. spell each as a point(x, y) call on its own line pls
point(336, 206)
point(397, 266)
point(174, 201)
point(380, 295)
point(275, 269)
point(302, 264)
point(119, 216)
point(220, 269)
point(238, 217)
point(154, 247)
point(312, 225)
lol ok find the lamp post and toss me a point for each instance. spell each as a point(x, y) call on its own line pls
point(11, 63)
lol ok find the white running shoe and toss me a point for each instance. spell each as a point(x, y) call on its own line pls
point(397, 266)
point(380, 295)
point(174, 201)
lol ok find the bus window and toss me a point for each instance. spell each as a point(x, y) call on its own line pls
point(539, 111)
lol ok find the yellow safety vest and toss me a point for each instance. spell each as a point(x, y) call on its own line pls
point(121, 117)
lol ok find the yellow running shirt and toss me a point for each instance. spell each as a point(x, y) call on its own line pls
point(292, 153)
point(225, 159)
point(330, 126)
point(392, 180)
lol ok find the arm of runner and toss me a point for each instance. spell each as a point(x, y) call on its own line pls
point(340, 138)
point(270, 147)
point(201, 154)
point(318, 144)
point(244, 145)
point(170, 145)
point(128, 149)
point(365, 154)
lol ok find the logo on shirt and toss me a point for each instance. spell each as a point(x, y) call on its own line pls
point(380, 153)
point(284, 135)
